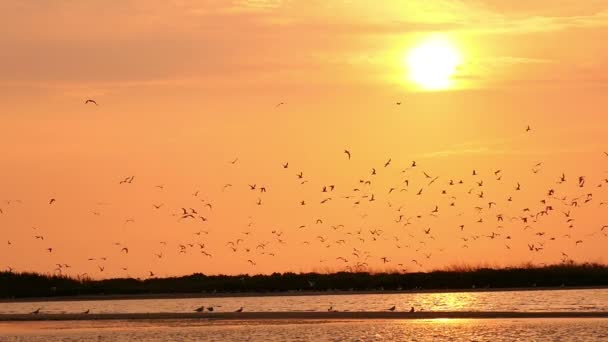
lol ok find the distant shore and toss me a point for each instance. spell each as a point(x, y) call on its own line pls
point(309, 315)
point(27, 286)
point(277, 294)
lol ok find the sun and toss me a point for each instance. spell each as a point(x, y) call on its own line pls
point(432, 63)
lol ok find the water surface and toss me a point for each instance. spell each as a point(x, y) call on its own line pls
point(519, 301)
point(368, 330)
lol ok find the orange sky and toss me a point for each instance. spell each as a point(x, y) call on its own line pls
point(185, 87)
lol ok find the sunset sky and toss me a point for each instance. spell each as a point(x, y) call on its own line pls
point(187, 87)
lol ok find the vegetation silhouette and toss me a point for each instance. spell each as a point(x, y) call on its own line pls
point(24, 285)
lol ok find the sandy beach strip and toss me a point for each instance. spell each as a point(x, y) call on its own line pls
point(355, 315)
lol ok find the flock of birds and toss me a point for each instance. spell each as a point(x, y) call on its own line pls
point(204, 308)
point(410, 233)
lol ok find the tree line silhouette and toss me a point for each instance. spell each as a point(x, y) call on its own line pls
point(25, 284)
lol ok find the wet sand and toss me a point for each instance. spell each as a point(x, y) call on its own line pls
point(356, 315)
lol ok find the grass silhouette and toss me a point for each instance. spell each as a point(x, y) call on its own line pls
point(457, 277)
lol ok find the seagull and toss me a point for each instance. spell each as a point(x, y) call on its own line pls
point(86, 312)
point(412, 309)
point(239, 310)
point(347, 153)
point(392, 308)
point(35, 312)
point(528, 128)
point(91, 101)
point(200, 309)
point(128, 180)
point(52, 201)
point(279, 104)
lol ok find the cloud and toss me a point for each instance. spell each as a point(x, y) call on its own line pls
point(146, 41)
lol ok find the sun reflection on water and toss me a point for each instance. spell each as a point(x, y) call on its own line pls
point(448, 302)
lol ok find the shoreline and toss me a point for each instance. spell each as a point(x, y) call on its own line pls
point(344, 315)
point(103, 297)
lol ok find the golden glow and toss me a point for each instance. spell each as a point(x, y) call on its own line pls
point(432, 63)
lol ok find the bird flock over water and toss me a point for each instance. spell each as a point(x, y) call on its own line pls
point(398, 214)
